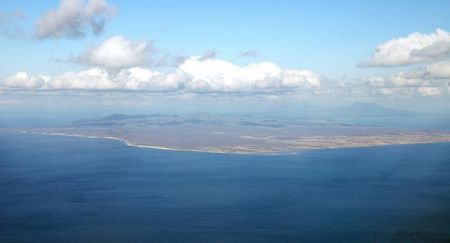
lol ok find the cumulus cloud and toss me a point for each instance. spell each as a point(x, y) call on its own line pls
point(429, 91)
point(407, 84)
point(429, 80)
point(23, 80)
point(142, 79)
point(219, 75)
point(90, 79)
point(415, 48)
point(438, 70)
point(118, 52)
point(74, 19)
point(194, 75)
point(214, 76)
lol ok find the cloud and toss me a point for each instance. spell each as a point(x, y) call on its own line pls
point(91, 79)
point(427, 81)
point(248, 53)
point(118, 52)
point(223, 76)
point(417, 83)
point(209, 54)
point(142, 79)
point(22, 80)
point(438, 70)
point(74, 19)
point(193, 76)
point(216, 77)
point(429, 91)
point(133, 79)
point(178, 59)
point(415, 48)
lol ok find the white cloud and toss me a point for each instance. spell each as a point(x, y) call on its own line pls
point(118, 52)
point(300, 78)
point(220, 76)
point(194, 75)
point(415, 48)
point(406, 84)
point(428, 91)
point(74, 19)
point(438, 70)
point(144, 79)
point(91, 79)
point(24, 81)
point(427, 81)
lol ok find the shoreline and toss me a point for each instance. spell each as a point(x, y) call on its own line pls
point(131, 144)
point(125, 141)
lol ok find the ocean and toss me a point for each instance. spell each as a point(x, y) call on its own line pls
point(68, 189)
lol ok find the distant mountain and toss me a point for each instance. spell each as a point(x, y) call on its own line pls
point(110, 118)
point(358, 113)
point(364, 109)
point(185, 119)
point(123, 117)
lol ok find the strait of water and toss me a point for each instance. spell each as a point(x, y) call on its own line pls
point(66, 189)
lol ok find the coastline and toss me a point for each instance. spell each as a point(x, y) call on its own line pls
point(236, 152)
point(125, 141)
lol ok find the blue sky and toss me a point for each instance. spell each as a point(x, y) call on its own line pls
point(329, 38)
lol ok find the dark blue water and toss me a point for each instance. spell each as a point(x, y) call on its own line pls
point(61, 189)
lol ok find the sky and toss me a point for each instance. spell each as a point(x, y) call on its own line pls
point(182, 56)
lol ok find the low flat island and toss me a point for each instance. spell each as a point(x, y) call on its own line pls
point(242, 135)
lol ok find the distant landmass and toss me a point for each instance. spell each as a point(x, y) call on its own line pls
point(369, 109)
point(243, 134)
point(375, 114)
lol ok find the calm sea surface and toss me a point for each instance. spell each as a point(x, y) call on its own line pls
point(63, 189)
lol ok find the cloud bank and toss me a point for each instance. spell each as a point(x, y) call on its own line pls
point(432, 79)
point(194, 75)
point(415, 48)
point(74, 19)
point(121, 64)
point(428, 81)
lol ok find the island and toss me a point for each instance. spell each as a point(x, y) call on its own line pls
point(237, 134)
